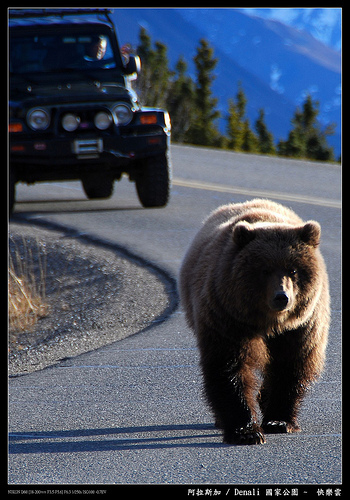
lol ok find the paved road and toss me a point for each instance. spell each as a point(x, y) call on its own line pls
point(133, 412)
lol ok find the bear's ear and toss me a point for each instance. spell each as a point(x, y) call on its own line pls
point(243, 233)
point(310, 233)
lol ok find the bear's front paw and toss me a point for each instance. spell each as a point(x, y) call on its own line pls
point(245, 435)
point(279, 427)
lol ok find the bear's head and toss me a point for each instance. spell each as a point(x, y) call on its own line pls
point(244, 232)
point(275, 270)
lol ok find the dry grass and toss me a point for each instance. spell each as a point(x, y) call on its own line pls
point(26, 287)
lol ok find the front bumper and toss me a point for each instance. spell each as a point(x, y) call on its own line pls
point(42, 158)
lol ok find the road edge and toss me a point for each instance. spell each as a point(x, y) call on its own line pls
point(169, 282)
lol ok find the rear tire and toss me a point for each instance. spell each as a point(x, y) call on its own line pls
point(153, 181)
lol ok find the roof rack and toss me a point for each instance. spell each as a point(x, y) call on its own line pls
point(57, 12)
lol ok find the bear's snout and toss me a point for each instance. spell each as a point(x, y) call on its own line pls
point(280, 301)
point(281, 291)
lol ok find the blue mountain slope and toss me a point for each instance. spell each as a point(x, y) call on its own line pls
point(324, 24)
point(277, 64)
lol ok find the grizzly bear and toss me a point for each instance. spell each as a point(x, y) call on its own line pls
point(254, 288)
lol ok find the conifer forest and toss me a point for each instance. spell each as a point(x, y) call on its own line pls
point(194, 114)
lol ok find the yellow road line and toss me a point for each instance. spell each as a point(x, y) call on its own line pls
point(221, 188)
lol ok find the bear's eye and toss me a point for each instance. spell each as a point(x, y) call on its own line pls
point(292, 272)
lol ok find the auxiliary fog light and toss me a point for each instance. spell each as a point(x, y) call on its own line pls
point(102, 120)
point(70, 122)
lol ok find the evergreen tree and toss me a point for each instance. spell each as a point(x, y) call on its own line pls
point(241, 102)
point(240, 135)
point(234, 128)
point(146, 54)
point(203, 130)
point(160, 76)
point(250, 141)
point(306, 140)
point(265, 138)
point(180, 103)
point(153, 83)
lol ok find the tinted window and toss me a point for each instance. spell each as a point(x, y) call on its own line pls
point(60, 52)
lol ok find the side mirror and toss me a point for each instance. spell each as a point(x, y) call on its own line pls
point(133, 65)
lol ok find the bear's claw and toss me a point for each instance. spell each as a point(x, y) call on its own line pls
point(244, 435)
point(279, 427)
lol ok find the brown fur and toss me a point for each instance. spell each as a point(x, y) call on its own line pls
point(254, 288)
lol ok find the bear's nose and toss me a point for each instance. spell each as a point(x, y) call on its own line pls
point(280, 300)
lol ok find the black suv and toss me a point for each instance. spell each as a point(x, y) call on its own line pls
point(73, 112)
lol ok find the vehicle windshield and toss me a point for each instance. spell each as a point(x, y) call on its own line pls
point(59, 53)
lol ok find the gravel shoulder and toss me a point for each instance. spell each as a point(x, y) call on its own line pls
point(95, 296)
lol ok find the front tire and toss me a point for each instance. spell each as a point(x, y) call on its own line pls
point(97, 188)
point(153, 181)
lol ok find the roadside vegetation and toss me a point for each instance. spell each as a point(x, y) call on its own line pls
point(194, 114)
point(26, 288)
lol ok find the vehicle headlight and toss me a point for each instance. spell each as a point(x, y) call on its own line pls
point(70, 122)
point(38, 119)
point(103, 120)
point(122, 114)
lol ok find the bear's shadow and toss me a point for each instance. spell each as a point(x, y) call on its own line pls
point(65, 441)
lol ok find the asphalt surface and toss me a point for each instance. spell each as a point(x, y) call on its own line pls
point(94, 295)
point(133, 412)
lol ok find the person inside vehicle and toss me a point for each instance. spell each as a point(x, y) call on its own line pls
point(96, 49)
